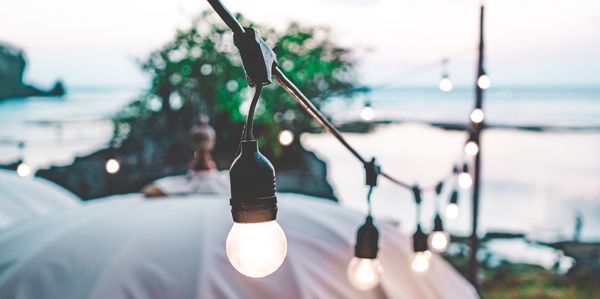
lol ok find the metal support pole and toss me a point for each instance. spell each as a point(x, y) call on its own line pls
point(477, 127)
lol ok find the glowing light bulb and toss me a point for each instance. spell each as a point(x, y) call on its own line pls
point(471, 148)
point(452, 211)
point(464, 180)
point(286, 137)
point(364, 274)
point(256, 249)
point(477, 115)
point(484, 81)
point(446, 84)
point(420, 262)
point(112, 166)
point(438, 241)
point(23, 170)
point(367, 113)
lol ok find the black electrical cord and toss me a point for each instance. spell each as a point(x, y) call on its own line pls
point(301, 99)
point(249, 126)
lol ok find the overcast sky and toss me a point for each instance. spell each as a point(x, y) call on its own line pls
point(530, 42)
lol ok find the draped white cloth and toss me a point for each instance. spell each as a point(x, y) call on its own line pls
point(206, 182)
point(128, 247)
point(22, 199)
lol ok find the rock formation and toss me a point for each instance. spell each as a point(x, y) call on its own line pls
point(12, 68)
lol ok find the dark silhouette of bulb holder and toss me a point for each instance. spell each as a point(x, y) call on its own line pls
point(252, 180)
point(367, 240)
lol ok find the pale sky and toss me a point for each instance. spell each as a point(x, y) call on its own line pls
point(529, 42)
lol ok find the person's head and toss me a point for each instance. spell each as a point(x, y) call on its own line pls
point(203, 138)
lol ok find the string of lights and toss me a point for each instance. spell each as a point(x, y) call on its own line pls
point(253, 200)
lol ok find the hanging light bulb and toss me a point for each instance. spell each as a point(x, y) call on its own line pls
point(438, 240)
point(420, 261)
point(367, 113)
point(112, 166)
point(464, 178)
point(471, 148)
point(446, 84)
point(452, 207)
point(256, 249)
point(484, 81)
point(256, 245)
point(477, 115)
point(286, 137)
point(364, 271)
point(23, 169)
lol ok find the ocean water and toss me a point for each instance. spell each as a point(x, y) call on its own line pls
point(56, 130)
point(533, 182)
point(577, 107)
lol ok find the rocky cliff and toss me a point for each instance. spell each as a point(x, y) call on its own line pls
point(12, 69)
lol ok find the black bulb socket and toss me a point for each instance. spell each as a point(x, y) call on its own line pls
point(419, 240)
point(454, 197)
point(367, 240)
point(438, 224)
point(252, 179)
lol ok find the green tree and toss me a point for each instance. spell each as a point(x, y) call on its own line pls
point(200, 71)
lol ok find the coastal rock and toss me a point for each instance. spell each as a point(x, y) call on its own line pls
point(157, 147)
point(12, 69)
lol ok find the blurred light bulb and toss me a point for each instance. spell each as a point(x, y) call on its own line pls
point(364, 274)
point(446, 84)
point(438, 241)
point(452, 211)
point(464, 180)
point(484, 81)
point(420, 262)
point(23, 170)
point(477, 115)
point(286, 137)
point(112, 166)
point(367, 113)
point(471, 148)
point(256, 249)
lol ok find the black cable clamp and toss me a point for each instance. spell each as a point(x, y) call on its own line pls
point(439, 187)
point(257, 57)
point(372, 171)
point(417, 193)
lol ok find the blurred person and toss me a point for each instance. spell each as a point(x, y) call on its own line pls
point(202, 175)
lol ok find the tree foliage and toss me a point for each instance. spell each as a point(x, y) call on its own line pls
point(200, 71)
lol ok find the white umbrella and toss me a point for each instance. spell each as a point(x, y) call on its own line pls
point(22, 199)
point(128, 247)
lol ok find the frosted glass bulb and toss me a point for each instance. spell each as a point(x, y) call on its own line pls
point(477, 115)
point(420, 262)
point(484, 81)
point(438, 241)
point(23, 170)
point(464, 180)
point(446, 84)
point(112, 166)
point(367, 113)
point(364, 274)
point(471, 148)
point(256, 249)
point(286, 137)
point(452, 211)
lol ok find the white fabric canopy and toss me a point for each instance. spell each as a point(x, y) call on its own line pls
point(207, 182)
point(28, 198)
point(128, 247)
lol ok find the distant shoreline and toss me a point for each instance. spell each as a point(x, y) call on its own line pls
point(364, 127)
